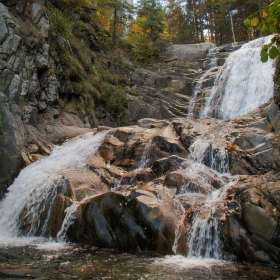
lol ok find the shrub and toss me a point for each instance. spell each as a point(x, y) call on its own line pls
point(114, 100)
point(61, 24)
point(30, 35)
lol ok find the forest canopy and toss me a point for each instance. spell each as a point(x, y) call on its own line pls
point(146, 27)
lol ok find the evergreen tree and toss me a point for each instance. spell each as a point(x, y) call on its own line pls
point(152, 11)
point(118, 13)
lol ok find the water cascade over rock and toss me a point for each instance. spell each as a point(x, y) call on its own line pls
point(203, 188)
point(190, 194)
point(242, 84)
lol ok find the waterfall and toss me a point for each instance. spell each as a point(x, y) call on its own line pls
point(145, 161)
point(68, 221)
point(208, 162)
point(211, 66)
point(30, 197)
point(243, 83)
point(204, 240)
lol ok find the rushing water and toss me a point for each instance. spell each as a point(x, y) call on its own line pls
point(242, 84)
point(30, 196)
point(33, 191)
point(32, 258)
point(63, 261)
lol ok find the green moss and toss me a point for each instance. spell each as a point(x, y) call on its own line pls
point(172, 89)
point(133, 92)
point(276, 80)
point(263, 114)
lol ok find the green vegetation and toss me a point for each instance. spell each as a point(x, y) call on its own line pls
point(268, 22)
point(61, 23)
point(75, 43)
point(133, 92)
point(172, 89)
point(86, 37)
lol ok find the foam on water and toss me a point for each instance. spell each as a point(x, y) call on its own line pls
point(189, 263)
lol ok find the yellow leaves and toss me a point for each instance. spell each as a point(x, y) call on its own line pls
point(136, 28)
point(255, 21)
point(265, 14)
point(251, 22)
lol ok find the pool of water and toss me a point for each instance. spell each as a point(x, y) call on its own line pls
point(49, 260)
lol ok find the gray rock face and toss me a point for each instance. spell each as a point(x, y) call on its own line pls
point(192, 52)
point(3, 30)
point(11, 140)
point(24, 75)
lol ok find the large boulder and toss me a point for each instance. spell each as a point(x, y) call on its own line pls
point(251, 230)
point(145, 220)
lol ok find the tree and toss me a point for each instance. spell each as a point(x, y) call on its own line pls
point(147, 33)
point(115, 14)
point(152, 11)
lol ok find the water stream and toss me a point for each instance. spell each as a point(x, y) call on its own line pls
point(242, 84)
point(30, 196)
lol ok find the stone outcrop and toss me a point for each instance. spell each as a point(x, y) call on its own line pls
point(144, 220)
point(31, 121)
point(142, 200)
point(163, 167)
point(251, 229)
point(33, 90)
point(192, 52)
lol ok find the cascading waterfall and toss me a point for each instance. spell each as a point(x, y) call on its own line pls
point(212, 63)
point(145, 160)
point(243, 84)
point(37, 185)
point(207, 167)
point(207, 162)
point(68, 221)
point(204, 239)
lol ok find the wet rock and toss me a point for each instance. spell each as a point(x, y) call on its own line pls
point(165, 165)
point(58, 214)
point(257, 221)
point(143, 220)
point(11, 141)
point(85, 183)
point(254, 215)
point(137, 177)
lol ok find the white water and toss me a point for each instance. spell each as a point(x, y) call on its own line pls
point(212, 56)
point(35, 188)
point(243, 84)
point(29, 198)
point(207, 166)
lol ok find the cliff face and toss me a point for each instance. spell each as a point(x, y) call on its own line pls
point(30, 89)
point(54, 86)
point(58, 81)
